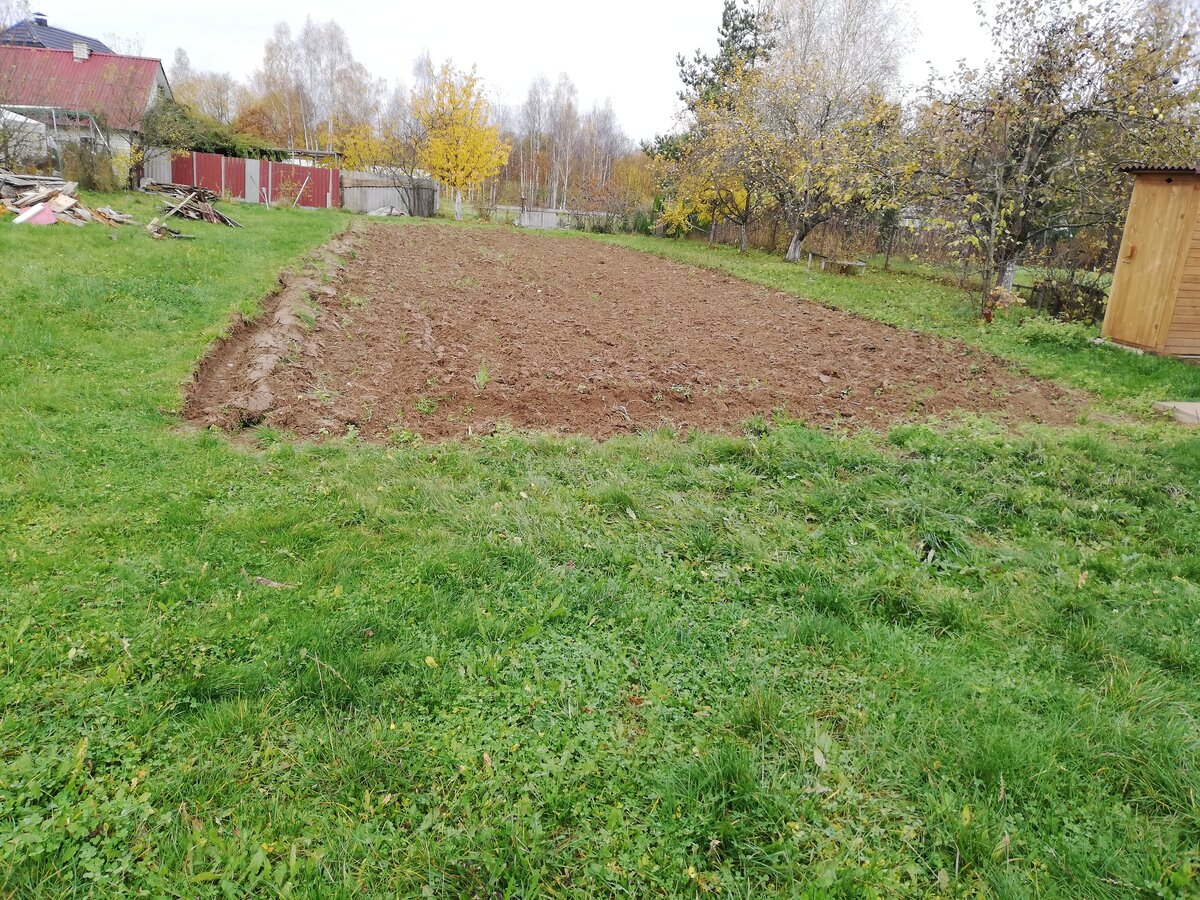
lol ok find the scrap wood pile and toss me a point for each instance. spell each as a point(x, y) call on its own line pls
point(46, 200)
point(190, 202)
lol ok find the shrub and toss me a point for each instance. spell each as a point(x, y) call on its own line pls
point(90, 166)
point(1070, 300)
point(1053, 333)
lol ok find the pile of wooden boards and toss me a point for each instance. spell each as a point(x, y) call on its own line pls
point(44, 199)
point(190, 202)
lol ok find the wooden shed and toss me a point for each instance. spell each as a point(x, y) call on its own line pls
point(1155, 299)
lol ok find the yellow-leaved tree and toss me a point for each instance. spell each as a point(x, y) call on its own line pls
point(360, 149)
point(462, 145)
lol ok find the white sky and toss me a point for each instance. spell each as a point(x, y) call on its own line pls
point(623, 49)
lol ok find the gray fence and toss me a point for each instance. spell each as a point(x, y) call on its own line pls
point(538, 218)
point(157, 165)
point(364, 192)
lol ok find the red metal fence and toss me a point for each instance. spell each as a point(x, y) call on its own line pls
point(256, 181)
point(318, 188)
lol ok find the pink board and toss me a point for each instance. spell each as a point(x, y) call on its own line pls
point(38, 214)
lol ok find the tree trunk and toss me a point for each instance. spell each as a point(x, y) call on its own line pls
point(887, 256)
point(458, 200)
point(793, 250)
point(1008, 270)
point(744, 237)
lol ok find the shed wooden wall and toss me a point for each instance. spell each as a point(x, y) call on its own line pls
point(1159, 248)
point(1183, 336)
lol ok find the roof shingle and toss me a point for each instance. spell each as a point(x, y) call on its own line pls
point(29, 33)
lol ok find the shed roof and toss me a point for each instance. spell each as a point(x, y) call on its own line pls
point(115, 88)
point(15, 120)
point(1153, 168)
point(35, 32)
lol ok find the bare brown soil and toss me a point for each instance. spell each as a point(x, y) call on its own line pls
point(447, 332)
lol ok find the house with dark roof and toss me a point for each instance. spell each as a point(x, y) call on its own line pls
point(36, 32)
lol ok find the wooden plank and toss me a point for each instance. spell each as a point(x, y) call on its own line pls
point(1183, 332)
point(1154, 250)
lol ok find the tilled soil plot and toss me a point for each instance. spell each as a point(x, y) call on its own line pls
point(447, 332)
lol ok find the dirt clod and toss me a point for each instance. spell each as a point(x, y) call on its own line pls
point(448, 332)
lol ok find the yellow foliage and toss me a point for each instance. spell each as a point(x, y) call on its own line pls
point(463, 147)
point(359, 147)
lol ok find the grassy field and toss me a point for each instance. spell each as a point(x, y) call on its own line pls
point(947, 660)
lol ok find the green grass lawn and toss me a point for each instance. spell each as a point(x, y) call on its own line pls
point(951, 659)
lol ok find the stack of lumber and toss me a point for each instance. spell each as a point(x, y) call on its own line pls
point(180, 191)
point(197, 203)
point(32, 194)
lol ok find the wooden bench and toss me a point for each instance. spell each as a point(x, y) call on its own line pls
point(838, 266)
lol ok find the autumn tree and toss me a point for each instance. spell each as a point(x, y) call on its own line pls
point(403, 133)
point(463, 146)
point(308, 87)
point(713, 169)
point(627, 189)
point(819, 104)
point(392, 148)
point(744, 40)
point(214, 95)
point(793, 117)
point(279, 108)
point(1030, 146)
point(564, 135)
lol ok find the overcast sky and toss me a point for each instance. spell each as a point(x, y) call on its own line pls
point(623, 49)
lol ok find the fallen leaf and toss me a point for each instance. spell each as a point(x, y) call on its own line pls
point(818, 757)
point(1001, 848)
point(825, 379)
point(431, 662)
point(267, 582)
